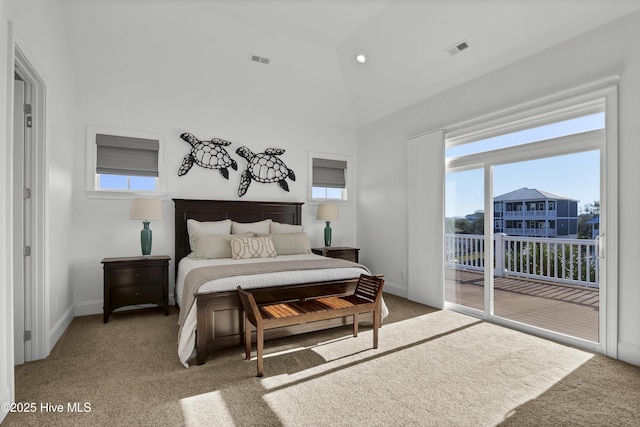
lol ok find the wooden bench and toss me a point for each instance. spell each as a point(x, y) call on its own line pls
point(366, 298)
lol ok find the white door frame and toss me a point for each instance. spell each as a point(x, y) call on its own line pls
point(588, 96)
point(37, 297)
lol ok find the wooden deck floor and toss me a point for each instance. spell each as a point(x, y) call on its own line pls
point(569, 310)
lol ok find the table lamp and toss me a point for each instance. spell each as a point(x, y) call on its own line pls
point(328, 212)
point(146, 210)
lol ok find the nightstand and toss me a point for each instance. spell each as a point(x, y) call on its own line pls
point(135, 280)
point(350, 254)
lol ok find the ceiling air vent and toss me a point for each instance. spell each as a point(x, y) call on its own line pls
point(458, 47)
point(260, 59)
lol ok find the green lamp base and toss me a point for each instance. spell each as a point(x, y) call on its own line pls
point(327, 234)
point(145, 239)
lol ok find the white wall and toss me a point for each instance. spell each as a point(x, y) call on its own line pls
point(166, 70)
point(38, 31)
point(608, 50)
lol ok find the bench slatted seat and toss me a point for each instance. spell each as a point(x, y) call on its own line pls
point(366, 298)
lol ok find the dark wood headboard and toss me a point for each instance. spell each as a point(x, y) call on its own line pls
point(235, 210)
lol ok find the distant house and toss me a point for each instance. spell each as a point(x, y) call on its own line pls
point(534, 213)
point(478, 215)
point(595, 226)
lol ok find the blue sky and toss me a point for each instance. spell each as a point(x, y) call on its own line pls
point(576, 176)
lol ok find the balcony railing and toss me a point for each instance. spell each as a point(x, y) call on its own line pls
point(525, 213)
point(531, 231)
point(569, 261)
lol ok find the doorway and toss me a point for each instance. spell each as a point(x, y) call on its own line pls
point(30, 314)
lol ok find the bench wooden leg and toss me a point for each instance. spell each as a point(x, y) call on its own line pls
point(247, 339)
point(355, 324)
point(260, 345)
point(376, 326)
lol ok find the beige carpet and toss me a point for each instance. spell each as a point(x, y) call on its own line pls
point(432, 368)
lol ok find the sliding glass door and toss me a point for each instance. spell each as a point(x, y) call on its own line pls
point(545, 231)
point(523, 227)
point(464, 238)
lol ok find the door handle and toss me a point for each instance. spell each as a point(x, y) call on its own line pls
point(600, 245)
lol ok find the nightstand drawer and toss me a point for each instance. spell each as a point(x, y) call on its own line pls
point(128, 276)
point(136, 295)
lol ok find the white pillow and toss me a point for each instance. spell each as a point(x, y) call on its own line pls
point(213, 246)
point(252, 247)
point(290, 243)
point(250, 227)
point(210, 227)
point(279, 228)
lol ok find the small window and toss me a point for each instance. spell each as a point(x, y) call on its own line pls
point(123, 161)
point(126, 163)
point(329, 177)
point(128, 182)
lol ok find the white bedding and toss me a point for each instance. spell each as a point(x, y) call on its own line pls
point(187, 338)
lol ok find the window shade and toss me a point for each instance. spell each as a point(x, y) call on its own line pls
point(122, 155)
point(329, 173)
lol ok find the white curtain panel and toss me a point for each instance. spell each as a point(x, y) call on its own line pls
point(425, 218)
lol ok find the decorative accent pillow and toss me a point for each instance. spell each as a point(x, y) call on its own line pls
point(252, 247)
point(290, 243)
point(210, 227)
point(213, 246)
point(279, 228)
point(250, 227)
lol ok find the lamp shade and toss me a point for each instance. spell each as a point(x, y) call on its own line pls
point(147, 209)
point(328, 212)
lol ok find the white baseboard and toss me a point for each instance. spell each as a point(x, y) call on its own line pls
point(629, 353)
point(397, 290)
point(5, 397)
point(87, 308)
point(59, 328)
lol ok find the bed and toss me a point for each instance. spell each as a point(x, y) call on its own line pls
point(211, 316)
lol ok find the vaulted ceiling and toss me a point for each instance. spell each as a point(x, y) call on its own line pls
point(312, 44)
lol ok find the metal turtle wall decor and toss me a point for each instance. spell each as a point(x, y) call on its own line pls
point(207, 154)
point(264, 167)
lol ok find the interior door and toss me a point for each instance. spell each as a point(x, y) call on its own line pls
point(18, 262)
point(22, 155)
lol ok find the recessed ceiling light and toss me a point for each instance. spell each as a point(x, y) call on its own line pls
point(361, 58)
